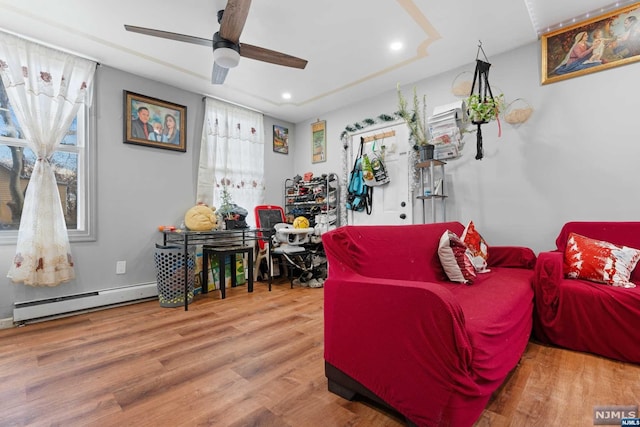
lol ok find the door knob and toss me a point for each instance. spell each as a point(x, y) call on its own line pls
point(403, 216)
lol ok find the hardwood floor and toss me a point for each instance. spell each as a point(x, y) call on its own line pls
point(249, 360)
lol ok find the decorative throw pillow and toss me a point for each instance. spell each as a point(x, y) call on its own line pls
point(599, 261)
point(455, 259)
point(478, 247)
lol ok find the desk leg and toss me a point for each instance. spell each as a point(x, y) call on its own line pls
point(250, 275)
point(223, 284)
point(269, 261)
point(233, 264)
point(205, 272)
point(186, 272)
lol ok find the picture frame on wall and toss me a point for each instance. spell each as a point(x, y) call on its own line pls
point(602, 42)
point(319, 141)
point(154, 123)
point(280, 139)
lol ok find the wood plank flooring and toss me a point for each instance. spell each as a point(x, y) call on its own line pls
point(249, 360)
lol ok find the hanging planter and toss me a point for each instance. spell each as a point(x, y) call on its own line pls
point(482, 106)
point(484, 110)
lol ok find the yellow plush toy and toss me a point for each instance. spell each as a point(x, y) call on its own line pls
point(201, 218)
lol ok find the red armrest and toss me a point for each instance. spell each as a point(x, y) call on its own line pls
point(547, 276)
point(511, 256)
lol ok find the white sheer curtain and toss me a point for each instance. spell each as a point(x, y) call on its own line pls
point(231, 155)
point(45, 88)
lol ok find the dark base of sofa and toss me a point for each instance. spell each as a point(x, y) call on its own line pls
point(348, 388)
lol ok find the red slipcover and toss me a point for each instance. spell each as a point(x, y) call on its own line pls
point(587, 316)
point(431, 349)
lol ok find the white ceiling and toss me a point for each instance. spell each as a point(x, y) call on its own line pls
point(345, 42)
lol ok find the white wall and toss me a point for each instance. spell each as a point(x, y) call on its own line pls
point(575, 159)
point(138, 188)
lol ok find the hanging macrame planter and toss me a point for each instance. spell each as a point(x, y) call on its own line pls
point(482, 107)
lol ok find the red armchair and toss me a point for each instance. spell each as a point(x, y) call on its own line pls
point(582, 315)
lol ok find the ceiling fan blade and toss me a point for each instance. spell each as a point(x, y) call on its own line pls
point(233, 19)
point(218, 74)
point(271, 56)
point(169, 35)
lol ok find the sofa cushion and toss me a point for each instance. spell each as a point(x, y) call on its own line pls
point(456, 258)
point(476, 244)
point(599, 261)
point(623, 233)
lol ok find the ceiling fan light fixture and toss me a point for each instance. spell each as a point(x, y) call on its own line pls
point(225, 53)
point(226, 57)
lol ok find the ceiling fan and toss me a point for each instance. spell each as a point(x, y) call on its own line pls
point(227, 48)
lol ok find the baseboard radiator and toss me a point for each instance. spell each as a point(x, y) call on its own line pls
point(45, 309)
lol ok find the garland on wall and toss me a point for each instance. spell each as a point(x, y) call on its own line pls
point(358, 126)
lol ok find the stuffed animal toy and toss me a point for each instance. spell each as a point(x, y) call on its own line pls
point(201, 218)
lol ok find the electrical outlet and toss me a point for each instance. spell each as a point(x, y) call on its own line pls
point(121, 267)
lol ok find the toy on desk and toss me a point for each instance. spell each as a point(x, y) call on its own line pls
point(201, 218)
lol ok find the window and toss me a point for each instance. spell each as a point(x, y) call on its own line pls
point(71, 162)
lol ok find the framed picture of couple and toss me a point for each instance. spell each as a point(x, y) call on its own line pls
point(602, 42)
point(154, 123)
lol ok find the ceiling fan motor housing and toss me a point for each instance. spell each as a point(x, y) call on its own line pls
point(225, 53)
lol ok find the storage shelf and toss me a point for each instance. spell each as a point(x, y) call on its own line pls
point(432, 178)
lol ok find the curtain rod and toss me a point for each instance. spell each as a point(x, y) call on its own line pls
point(205, 96)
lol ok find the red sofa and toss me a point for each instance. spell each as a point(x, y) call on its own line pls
point(583, 315)
point(397, 332)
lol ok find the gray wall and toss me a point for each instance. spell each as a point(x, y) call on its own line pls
point(575, 159)
point(138, 188)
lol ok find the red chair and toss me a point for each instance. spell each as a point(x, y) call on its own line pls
point(267, 216)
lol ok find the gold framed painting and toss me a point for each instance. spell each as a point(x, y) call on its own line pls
point(602, 42)
point(319, 141)
point(154, 123)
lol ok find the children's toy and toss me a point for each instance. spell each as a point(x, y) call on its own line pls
point(201, 218)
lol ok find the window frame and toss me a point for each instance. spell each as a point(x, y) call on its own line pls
point(86, 185)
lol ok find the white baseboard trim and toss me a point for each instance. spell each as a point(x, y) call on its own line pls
point(6, 323)
point(36, 310)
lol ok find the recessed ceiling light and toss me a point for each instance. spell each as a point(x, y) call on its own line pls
point(396, 46)
point(286, 95)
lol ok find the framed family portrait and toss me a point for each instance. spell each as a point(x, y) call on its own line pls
point(319, 141)
point(154, 123)
point(280, 139)
point(602, 42)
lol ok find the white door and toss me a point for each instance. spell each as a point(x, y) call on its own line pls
point(392, 202)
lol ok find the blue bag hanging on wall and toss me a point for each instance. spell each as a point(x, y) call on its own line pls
point(359, 195)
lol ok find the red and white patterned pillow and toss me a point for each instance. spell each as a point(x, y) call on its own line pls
point(478, 247)
point(599, 261)
point(455, 259)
